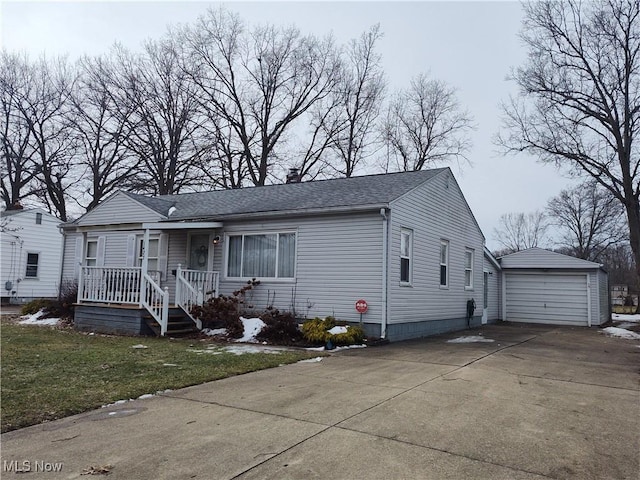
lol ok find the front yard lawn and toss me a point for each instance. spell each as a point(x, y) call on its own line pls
point(49, 373)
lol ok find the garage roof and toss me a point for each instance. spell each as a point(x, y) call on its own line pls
point(541, 258)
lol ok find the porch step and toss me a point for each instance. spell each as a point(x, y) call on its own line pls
point(178, 325)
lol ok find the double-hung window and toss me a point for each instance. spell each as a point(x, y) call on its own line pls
point(468, 268)
point(32, 265)
point(444, 263)
point(91, 257)
point(406, 251)
point(154, 253)
point(270, 255)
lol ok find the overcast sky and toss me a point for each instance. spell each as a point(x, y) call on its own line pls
point(470, 45)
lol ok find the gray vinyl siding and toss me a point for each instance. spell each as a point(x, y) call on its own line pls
point(119, 209)
point(69, 256)
point(338, 261)
point(25, 236)
point(494, 293)
point(435, 211)
point(603, 286)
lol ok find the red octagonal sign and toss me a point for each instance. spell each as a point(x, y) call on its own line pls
point(361, 306)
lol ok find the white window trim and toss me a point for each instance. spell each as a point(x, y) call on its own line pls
point(26, 266)
point(275, 279)
point(408, 232)
point(446, 264)
point(140, 254)
point(470, 269)
point(86, 254)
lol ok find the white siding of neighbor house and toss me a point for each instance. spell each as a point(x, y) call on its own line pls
point(119, 209)
point(45, 240)
point(435, 211)
point(69, 258)
point(338, 261)
point(495, 292)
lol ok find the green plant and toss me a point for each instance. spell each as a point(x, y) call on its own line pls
point(34, 306)
point(225, 310)
point(280, 327)
point(317, 331)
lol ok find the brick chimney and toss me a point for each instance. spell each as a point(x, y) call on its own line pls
point(293, 176)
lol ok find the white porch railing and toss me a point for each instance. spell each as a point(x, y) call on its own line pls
point(110, 285)
point(156, 301)
point(125, 285)
point(195, 287)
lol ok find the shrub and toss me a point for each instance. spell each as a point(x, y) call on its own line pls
point(280, 327)
point(317, 331)
point(225, 310)
point(34, 306)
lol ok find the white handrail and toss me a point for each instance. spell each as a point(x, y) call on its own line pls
point(195, 287)
point(156, 301)
point(109, 285)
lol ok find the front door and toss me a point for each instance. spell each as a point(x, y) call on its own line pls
point(485, 301)
point(199, 252)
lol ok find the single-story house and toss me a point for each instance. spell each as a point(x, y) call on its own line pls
point(31, 249)
point(540, 286)
point(406, 243)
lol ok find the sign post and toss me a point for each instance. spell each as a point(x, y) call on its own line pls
point(361, 307)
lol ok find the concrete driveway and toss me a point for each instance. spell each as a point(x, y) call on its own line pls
point(537, 402)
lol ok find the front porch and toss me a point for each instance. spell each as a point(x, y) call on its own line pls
point(123, 296)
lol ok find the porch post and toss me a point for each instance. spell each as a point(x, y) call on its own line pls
point(178, 299)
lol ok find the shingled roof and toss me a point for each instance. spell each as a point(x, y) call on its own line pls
point(369, 190)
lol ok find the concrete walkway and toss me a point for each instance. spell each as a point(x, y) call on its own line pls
point(537, 402)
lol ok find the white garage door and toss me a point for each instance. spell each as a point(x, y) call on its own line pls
point(547, 298)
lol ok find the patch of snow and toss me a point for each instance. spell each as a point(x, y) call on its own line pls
point(347, 347)
point(252, 326)
point(146, 395)
point(311, 360)
point(471, 339)
point(629, 318)
point(36, 320)
point(315, 349)
point(169, 365)
point(139, 346)
point(337, 330)
point(621, 333)
point(214, 331)
point(201, 351)
point(242, 349)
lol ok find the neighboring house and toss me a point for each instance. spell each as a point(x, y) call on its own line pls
point(540, 286)
point(619, 294)
point(31, 251)
point(407, 243)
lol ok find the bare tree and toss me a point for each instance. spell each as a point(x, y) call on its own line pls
point(42, 106)
point(579, 104)
point(589, 218)
point(102, 127)
point(18, 168)
point(425, 126)
point(163, 117)
point(358, 96)
point(519, 231)
point(258, 82)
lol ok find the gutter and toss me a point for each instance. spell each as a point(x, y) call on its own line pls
point(385, 263)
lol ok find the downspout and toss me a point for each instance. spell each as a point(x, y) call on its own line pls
point(385, 265)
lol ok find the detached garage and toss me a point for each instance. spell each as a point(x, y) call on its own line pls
point(539, 286)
